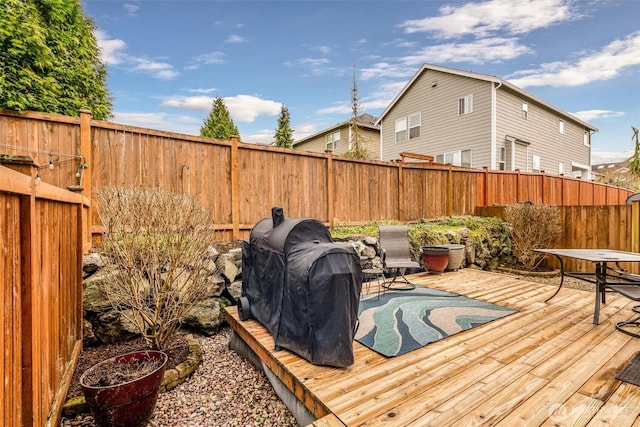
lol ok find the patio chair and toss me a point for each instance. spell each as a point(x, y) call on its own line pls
point(632, 292)
point(395, 254)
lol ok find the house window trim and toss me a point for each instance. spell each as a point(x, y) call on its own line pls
point(418, 126)
point(525, 110)
point(536, 160)
point(456, 154)
point(403, 121)
point(465, 105)
point(502, 159)
point(330, 141)
point(561, 127)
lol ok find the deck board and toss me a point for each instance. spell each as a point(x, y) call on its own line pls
point(545, 365)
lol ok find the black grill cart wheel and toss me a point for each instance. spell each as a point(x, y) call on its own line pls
point(243, 309)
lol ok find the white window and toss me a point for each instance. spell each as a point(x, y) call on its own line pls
point(455, 158)
point(536, 163)
point(414, 125)
point(560, 168)
point(465, 158)
point(333, 140)
point(401, 129)
point(561, 127)
point(465, 105)
point(587, 138)
point(525, 110)
point(502, 164)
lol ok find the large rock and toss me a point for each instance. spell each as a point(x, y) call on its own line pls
point(91, 263)
point(94, 299)
point(206, 317)
point(228, 266)
point(111, 327)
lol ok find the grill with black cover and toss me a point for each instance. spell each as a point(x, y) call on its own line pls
point(303, 287)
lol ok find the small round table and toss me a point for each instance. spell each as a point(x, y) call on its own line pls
point(376, 274)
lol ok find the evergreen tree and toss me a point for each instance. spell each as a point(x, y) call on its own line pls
point(284, 133)
point(49, 59)
point(634, 161)
point(358, 144)
point(219, 123)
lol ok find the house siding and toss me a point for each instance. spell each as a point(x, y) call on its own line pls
point(541, 130)
point(442, 129)
point(318, 144)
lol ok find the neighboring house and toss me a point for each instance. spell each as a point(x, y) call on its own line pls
point(475, 120)
point(338, 138)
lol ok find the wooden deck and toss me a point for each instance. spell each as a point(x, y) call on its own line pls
point(545, 365)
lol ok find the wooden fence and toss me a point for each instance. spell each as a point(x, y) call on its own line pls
point(239, 183)
point(41, 249)
point(592, 227)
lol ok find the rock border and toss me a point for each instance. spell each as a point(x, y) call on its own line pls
point(172, 378)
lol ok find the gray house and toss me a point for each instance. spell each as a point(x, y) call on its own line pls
point(338, 138)
point(476, 120)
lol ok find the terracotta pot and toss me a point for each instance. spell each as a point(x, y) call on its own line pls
point(128, 404)
point(434, 258)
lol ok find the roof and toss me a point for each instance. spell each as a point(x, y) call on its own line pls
point(364, 120)
point(487, 78)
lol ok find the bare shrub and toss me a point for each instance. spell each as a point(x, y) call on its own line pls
point(159, 241)
point(532, 227)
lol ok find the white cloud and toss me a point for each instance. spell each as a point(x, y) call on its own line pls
point(131, 9)
point(110, 49)
point(216, 57)
point(322, 49)
point(234, 38)
point(246, 108)
point(159, 70)
point(262, 136)
point(384, 69)
point(203, 90)
point(605, 64)
point(476, 52)
point(609, 156)
point(588, 115)
point(342, 108)
point(191, 103)
point(242, 108)
point(161, 121)
point(112, 53)
point(486, 18)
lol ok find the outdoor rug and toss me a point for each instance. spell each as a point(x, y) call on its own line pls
point(401, 321)
point(631, 373)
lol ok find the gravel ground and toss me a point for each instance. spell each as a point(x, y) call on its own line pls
point(226, 390)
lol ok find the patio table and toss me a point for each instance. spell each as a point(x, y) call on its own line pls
point(602, 275)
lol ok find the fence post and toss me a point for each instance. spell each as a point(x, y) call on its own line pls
point(86, 155)
point(635, 226)
point(329, 181)
point(235, 189)
point(30, 307)
point(450, 190)
point(401, 212)
point(486, 186)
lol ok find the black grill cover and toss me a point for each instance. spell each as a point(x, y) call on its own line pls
point(303, 288)
point(320, 303)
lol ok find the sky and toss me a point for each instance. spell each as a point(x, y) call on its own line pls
point(168, 59)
